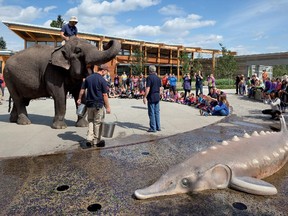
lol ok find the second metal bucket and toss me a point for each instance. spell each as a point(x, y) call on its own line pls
point(107, 129)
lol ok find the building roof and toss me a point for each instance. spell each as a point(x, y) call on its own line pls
point(39, 33)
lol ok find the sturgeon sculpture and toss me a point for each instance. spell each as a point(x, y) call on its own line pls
point(239, 163)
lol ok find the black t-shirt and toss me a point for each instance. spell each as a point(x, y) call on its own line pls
point(154, 82)
point(198, 80)
point(96, 86)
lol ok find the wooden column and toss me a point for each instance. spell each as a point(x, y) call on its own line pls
point(178, 64)
point(213, 63)
point(171, 60)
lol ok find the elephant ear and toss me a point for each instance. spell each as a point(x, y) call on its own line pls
point(59, 58)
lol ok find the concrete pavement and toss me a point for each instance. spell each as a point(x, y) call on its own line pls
point(130, 116)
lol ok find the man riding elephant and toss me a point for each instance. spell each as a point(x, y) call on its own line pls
point(43, 71)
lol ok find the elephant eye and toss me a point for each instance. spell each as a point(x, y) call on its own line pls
point(185, 182)
point(77, 50)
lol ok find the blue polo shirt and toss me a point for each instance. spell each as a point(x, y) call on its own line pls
point(69, 30)
point(96, 86)
point(154, 82)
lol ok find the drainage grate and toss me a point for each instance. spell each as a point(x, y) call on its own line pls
point(94, 207)
point(62, 188)
point(239, 206)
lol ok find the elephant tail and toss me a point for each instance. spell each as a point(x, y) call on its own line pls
point(9, 107)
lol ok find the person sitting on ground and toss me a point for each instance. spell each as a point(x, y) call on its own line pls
point(275, 103)
point(213, 96)
point(201, 102)
point(190, 99)
point(222, 109)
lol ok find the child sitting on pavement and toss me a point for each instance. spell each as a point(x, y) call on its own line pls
point(221, 109)
point(275, 103)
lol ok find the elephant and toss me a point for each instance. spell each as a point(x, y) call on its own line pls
point(45, 71)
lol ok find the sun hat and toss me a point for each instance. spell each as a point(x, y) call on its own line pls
point(73, 19)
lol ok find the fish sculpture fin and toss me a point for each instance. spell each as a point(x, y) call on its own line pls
point(252, 185)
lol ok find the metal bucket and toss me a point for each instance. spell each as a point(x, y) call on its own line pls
point(81, 110)
point(107, 129)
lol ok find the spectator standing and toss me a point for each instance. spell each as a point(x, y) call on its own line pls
point(142, 84)
point(152, 95)
point(2, 86)
point(96, 100)
point(199, 82)
point(172, 82)
point(241, 85)
point(264, 75)
point(165, 81)
point(135, 82)
point(187, 85)
point(129, 82)
point(124, 78)
point(211, 82)
point(237, 81)
point(107, 77)
point(116, 81)
point(69, 29)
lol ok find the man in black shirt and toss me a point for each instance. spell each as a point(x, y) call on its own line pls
point(96, 100)
point(152, 95)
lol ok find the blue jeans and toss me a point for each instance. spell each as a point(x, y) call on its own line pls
point(199, 88)
point(220, 113)
point(154, 116)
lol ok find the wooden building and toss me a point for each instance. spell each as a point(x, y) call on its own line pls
point(164, 56)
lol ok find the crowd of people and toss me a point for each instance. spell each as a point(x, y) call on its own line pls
point(273, 91)
point(214, 103)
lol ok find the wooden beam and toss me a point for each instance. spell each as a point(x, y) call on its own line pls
point(32, 35)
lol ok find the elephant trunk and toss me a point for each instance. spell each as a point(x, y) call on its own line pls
point(102, 57)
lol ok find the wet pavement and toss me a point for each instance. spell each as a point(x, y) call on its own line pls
point(101, 181)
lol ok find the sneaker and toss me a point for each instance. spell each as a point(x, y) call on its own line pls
point(86, 145)
point(151, 131)
point(201, 112)
point(101, 143)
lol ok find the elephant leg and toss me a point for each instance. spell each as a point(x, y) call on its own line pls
point(19, 113)
point(82, 121)
point(13, 114)
point(60, 110)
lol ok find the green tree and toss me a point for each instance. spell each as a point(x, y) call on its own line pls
point(196, 63)
point(57, 23)
point(2, 43)
point(280, 70)
point(226, 65)
point(138, 62)
point(185, 61)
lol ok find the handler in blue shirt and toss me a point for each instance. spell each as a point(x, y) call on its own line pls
point(152, 95)
point(69, 29)
point(96, 100)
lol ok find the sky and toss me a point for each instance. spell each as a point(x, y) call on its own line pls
point(246, 26)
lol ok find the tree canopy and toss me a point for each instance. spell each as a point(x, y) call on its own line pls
point(185, 61)
point(226, 64)
point(57, 23)
point(2, 43)
point(138, 62)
